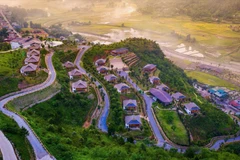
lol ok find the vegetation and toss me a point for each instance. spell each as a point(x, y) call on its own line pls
point(213, 10)
point(172, 126)
point(23, 102)
point(210, 79)
point(232, 148)
point(17, 136)
point(9, 71)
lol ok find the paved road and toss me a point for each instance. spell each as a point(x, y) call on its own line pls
point(102, 124)
point(10, 26)
point(39, 150)
point(6, 148)
point(148, 101)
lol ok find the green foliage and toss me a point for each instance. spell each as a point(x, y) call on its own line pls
point(232, 148)
point(17, 136)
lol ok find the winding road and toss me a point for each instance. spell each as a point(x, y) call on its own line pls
point(6, 148)
point(40, 152)
point(102, 123)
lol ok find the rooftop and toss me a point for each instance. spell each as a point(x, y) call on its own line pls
point(132, 102)
point(79, 84)
point(161, 95)
point(133, 119)
point(191, 106)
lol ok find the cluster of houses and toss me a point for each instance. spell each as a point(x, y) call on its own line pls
point(220, 96)
point(32, 59)
point(79, 86)
point(161, 92)
point(132, 119)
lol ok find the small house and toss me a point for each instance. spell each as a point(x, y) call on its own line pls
point(100, 62)
point(111, 78)
point(122, 88)
point(149, 68)
point(80, 86)
point(33, 59)
point(130, 104)
point(220, 94)
point(133, 122)
point(235, 103)
point(33, 52)
point(154, 80)
point(102, 69)
point(119, 51)
point(191, 108)
point(29, 68)
point(163, 87)
point(68, 65)
point(75, 73)
point(162, 96)
point(178, 96)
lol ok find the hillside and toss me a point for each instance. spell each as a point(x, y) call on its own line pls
point(215, 10)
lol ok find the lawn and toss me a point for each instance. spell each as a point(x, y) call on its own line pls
point(172, 126)
point(209, 79)
point(17, 137)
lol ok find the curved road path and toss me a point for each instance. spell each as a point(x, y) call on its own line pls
point(102, 124)
point(40, 152)
point(6, 148)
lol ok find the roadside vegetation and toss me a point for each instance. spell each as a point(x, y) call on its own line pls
point(11, 79)
point(28, 100)
point(172, 126)
point(232, 148)
point(17, 136)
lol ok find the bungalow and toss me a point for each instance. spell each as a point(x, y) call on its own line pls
point(149, 68)
point(35, 46)
point(130, 104)
point(28, 68)
point(178, 96)
point(161, 96)
point(122, 88)
point(205, 94)
point(80, 86)
point(154, 80)
point(163, 87)
point(100, 62)
point(119, 51)
point(220, 94)
point(191, 108)
point(235, 103)
point(75, 73)
point(68, 65)
point(33, 53)
point(102, 69)
point(32, 59)
point(110, 78)
point(133, 122)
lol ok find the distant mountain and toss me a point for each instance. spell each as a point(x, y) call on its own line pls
point(216, 10)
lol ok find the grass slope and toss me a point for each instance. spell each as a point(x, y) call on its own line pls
point(172, 126)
